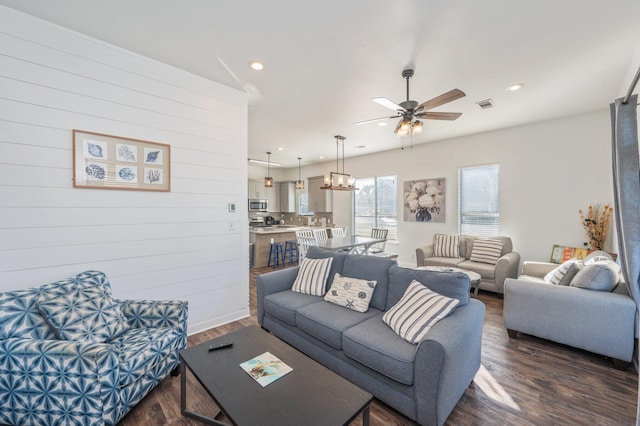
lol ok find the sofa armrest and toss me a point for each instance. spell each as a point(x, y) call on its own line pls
point(273, 282)
point(446, 362)
point(422, 253)
point(156, 313)
point(506, 267)
point(537, 269)
point(596, 321)
point(72, 377)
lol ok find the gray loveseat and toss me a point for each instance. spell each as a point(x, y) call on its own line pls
point(423, 381)
point(493, 276)
point(597, 321)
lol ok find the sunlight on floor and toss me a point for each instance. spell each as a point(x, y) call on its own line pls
point(490, 386)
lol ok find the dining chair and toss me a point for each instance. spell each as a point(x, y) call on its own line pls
point(303, 245)
point(378, 233)
point(337, 232)
point(321, 234)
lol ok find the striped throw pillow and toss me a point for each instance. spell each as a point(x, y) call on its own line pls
point(486, 251)
point(312, 276)
point(417, 311)
point(446, 245)
point(564, 273)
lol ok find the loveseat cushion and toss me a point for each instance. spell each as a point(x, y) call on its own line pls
point(443, 261)
point(374, 344)
point(374, 269)
point(85, 313)
point(284, 304)
point(455, 285)
point(486, 270)
point(326, 321)
point(141, 349)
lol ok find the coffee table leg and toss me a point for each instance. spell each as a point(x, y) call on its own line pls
point(365, 417)
point(183, 402)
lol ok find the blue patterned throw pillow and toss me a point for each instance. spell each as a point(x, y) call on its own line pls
point(352, 293)
point(85, 313)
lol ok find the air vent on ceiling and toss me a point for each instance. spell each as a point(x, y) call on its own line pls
point(487, 103)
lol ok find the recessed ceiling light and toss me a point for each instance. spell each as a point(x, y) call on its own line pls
point(382, 123)
point(514, 87)
point(280, 148)
point(321, 157)
point(256, 65)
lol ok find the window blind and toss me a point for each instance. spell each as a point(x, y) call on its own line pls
point(479, 200)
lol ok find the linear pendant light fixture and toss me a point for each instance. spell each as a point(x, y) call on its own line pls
point(268, 180)
point(299, 182)
point(337, 181)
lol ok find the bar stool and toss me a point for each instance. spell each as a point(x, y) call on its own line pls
point(291, 248)
point(276, 253)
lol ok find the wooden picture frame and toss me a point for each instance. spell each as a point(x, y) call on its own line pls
point(114, 162)
point(560, 254)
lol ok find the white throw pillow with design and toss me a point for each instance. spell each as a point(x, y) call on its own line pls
point(352, 293)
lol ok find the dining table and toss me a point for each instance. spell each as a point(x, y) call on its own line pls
point(350, 243)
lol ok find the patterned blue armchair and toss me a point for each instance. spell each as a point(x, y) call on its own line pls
point(70, 354)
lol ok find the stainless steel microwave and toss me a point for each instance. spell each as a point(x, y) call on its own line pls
point(258, 205)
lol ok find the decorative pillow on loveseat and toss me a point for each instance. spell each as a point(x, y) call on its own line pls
point(486, 251)
point(595, 276)
point(312, 276)
point(446, 245)
point(85, 313)
point(417, 311)
point(563, 274)
point(352, 293)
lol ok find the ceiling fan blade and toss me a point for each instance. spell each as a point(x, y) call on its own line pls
point(439, 115)
point(450, 96)
point(388, 104)
point(373, 120)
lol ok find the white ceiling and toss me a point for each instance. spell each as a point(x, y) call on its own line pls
point(325, 60)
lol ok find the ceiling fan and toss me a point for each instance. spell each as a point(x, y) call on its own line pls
point(410, 111)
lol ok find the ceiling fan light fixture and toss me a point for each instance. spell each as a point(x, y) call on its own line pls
point(416, 127)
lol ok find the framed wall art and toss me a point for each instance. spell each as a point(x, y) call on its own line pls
point(114, 162)
point(424, 200)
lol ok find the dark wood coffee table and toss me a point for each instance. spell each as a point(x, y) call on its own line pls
point(309, 395)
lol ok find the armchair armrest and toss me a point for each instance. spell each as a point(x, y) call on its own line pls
point(422, 253)
point(155, 313)
point(506, 267)
point(71, 377)
point(537, 269)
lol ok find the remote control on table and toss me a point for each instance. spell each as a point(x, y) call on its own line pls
point(217, 346)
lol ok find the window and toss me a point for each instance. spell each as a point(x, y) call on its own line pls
point(479, 200)
point(375, 205)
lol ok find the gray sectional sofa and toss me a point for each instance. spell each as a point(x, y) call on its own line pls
point(424, 381)
point(493, 276)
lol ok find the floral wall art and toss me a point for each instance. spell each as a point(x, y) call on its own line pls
point(424, 200)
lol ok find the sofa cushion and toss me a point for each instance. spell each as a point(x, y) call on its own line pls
point(85, 313)
point(141, 349)
point(312, 276)
point(284, 304)
point(417, 311)
point(455, 285)
point(443, 261)
point(486, 251)
point(374, 269)
point(326, 321)
point(595, 277)
point(486, 270)
point(351, 293)
point(446, 245)
point(374, 344)
point(563, 274)
point(338, 259)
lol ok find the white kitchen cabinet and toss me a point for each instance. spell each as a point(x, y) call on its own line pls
point(320, 200)
point(273, 197)
point(287, 197)
point(256, 190)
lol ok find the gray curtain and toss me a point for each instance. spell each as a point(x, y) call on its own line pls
point(626, 187)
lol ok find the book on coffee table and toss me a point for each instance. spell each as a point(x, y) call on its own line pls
point(265, 368)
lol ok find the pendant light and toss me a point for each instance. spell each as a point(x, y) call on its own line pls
point(337, 181)
point(299, 182)
point(268, 180)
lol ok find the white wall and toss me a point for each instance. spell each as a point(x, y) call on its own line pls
point(176, 245)
point(548, 171)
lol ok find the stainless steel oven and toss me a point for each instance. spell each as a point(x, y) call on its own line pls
point(258, 205)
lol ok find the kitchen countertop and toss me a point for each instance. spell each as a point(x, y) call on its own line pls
point(279, 229)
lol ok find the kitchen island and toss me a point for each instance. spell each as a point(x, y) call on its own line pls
point(261, 239)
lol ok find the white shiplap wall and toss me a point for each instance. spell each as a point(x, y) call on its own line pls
point(184, 244)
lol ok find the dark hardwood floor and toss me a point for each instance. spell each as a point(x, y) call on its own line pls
point(526, 381)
